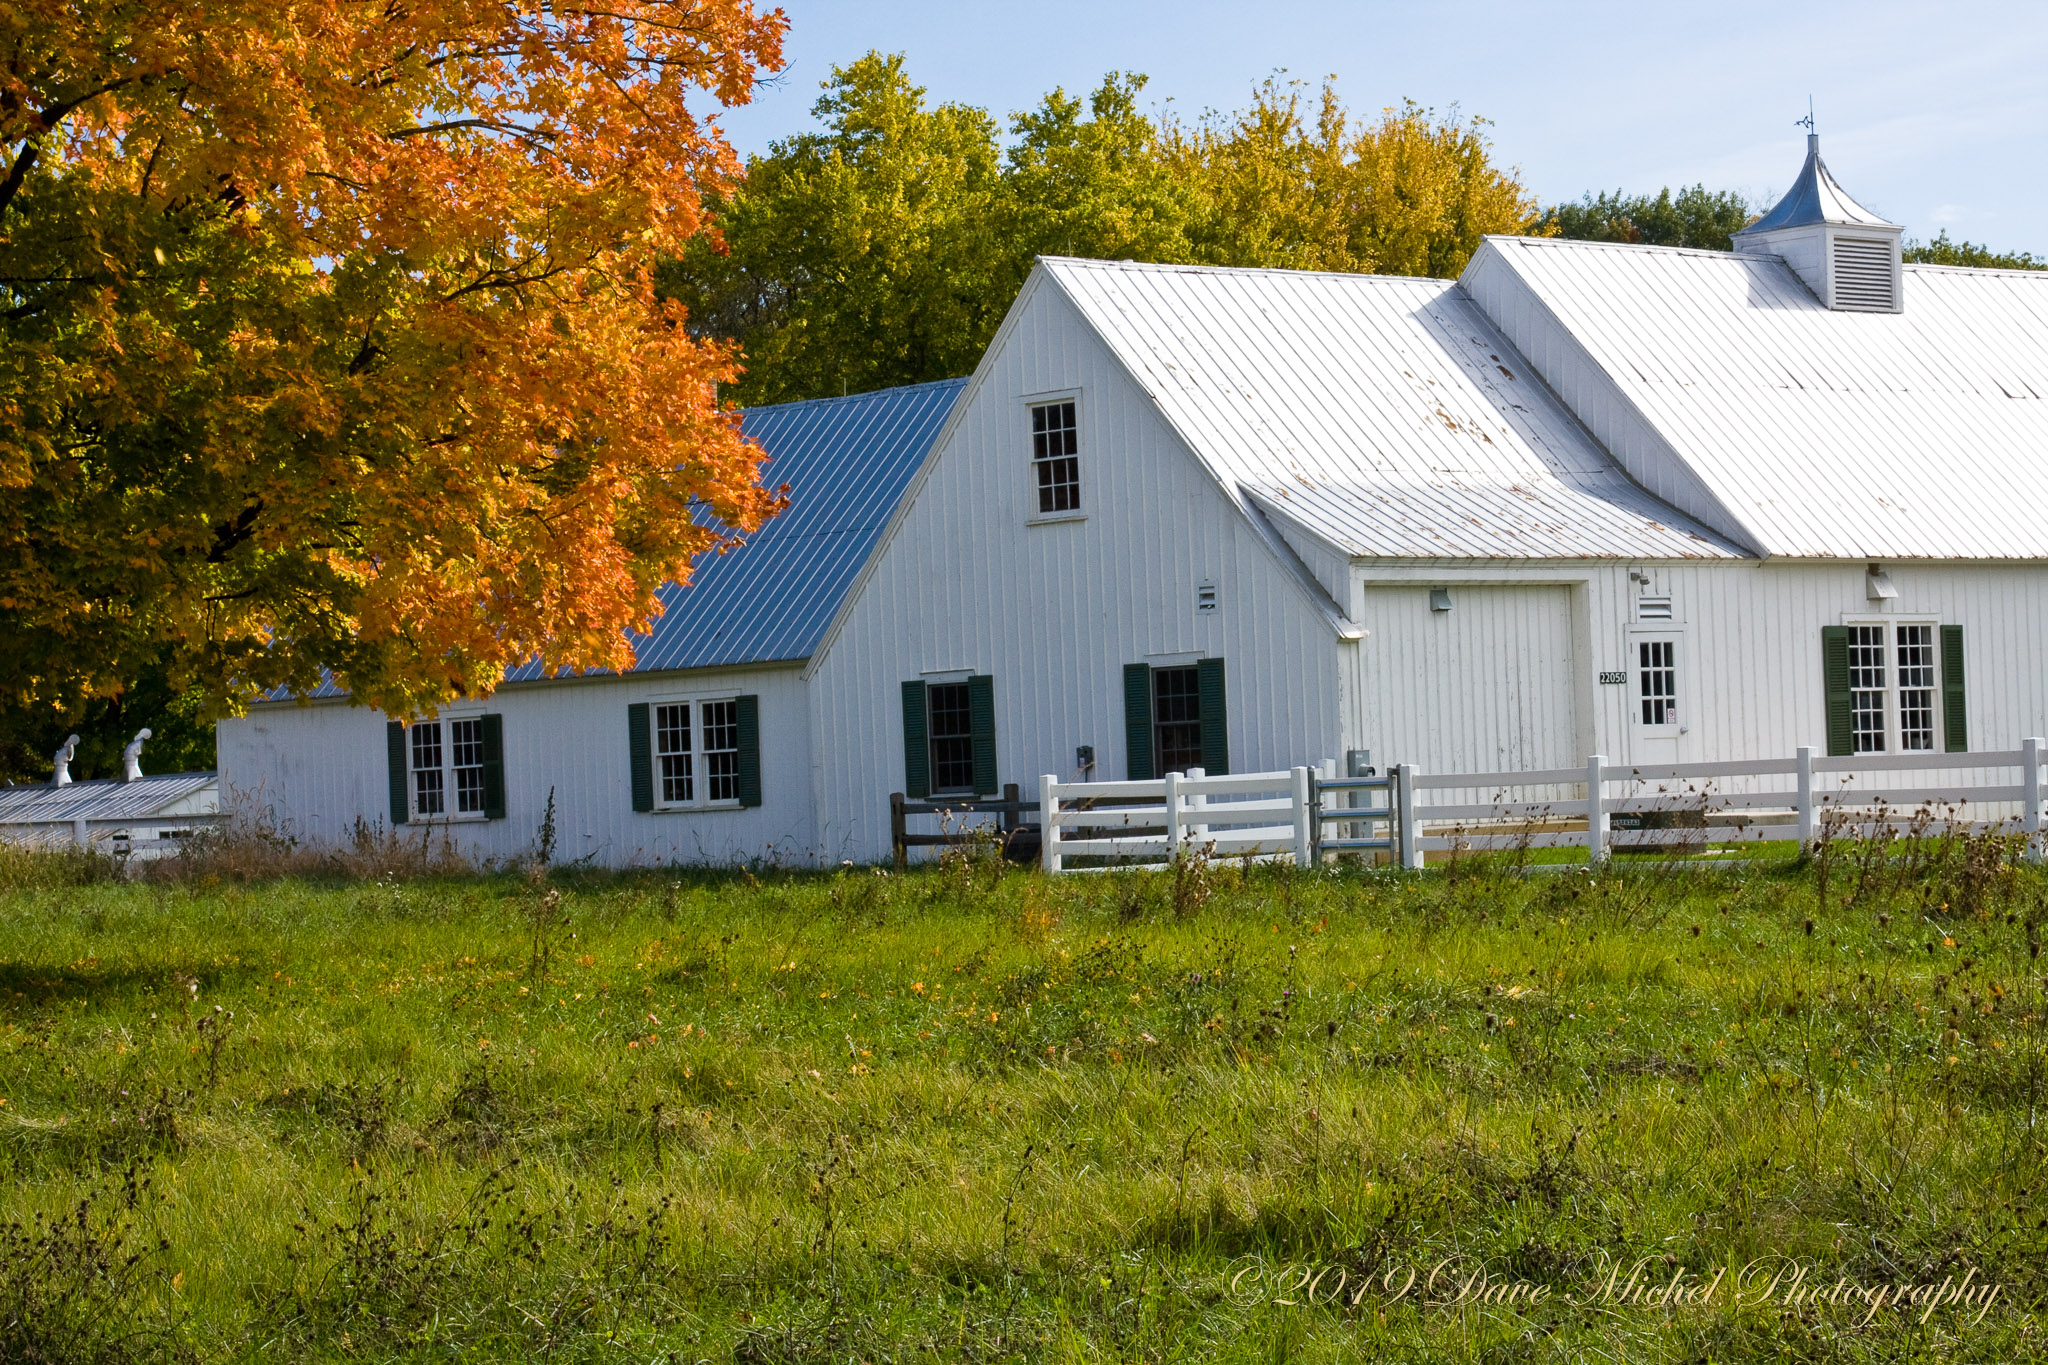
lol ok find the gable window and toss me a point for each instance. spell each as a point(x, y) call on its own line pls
point(451, 768)
point(1657, 680)
point(1055, 457)
point(695, 754)
point(1889, 690)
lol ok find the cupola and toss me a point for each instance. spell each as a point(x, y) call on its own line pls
point(1846, 254)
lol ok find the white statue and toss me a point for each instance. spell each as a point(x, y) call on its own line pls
point(62, 762)
point(131, 757)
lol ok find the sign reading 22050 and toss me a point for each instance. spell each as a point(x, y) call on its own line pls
point(1614, 679)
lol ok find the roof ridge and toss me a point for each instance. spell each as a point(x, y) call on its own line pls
point(1575, 242)
point(1096, 263)
point(868, 395)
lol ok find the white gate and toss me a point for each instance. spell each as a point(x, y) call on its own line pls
point(1148, 824)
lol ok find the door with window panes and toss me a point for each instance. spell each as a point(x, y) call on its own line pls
point(1660, 704)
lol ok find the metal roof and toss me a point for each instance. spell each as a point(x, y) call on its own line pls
point(1814, 198)
point(847, 462)
point(1385, 414)
point(100, 800)
point(1915, 435)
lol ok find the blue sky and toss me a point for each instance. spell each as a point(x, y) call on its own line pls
point(1931, 114)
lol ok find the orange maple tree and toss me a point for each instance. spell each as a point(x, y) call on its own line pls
point(328, 340)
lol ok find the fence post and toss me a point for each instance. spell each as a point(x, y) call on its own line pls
point(1807, 814)
point(1198, 831)
point(1304, 826)
point(1175, 832)
point(2030, 786)
point(1048, 824)
point(1596, 810)
point(1410, 838)
point(79, 834)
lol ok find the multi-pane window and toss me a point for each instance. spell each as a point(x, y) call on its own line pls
point(1177, 718)
point(1055, 457)
point(1916, 686)
point(1657, 675)
point(697, 752)
point(444, 761)
point(673, 754)
point(721, 750)
point(1867, 689)
point(951, 731)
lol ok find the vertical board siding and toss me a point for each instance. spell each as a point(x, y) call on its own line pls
point(320, 767)
point(1053, 612)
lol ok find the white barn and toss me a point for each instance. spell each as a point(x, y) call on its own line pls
point(1664, 505)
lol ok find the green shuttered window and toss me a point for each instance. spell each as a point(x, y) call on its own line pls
point(452, 767)
point(1879, 681)
point(1175, 719)
point(949, 738)
point(696, 753)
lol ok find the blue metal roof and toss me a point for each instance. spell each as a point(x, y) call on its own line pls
point(847, 462)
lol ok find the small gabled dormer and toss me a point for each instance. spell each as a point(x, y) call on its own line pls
point(1846, 254)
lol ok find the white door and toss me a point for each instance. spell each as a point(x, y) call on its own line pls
point(1485, 686)
point(1660, 715)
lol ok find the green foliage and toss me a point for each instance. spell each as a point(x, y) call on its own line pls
point(1696, 217)
point(181, 738)
point(969, 1113)
point(885, 248)
point(1942, 251)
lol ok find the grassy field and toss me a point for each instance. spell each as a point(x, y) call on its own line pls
point(974, 1114)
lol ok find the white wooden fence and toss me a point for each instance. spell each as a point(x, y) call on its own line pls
point(1145, 824)
point(1806, 797)
point(1282, 816)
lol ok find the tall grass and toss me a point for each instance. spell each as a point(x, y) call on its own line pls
point(973, 1113)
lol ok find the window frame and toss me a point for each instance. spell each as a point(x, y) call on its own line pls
point(1894, 733)
point(700, 770)
point(445, 724)
point(1033, 516)
point(932, 737)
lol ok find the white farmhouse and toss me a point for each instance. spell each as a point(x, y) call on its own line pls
point(1664, 505)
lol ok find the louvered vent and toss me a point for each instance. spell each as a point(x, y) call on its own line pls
point(1865, 277)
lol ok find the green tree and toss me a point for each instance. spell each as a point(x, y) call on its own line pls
point(1697, 217)
point(1942, 251)
point(1094, 186)
point(860, 256)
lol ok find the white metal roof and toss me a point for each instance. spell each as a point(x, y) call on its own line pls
point(161, 794)
point(1920, 434)
point(1385, 414)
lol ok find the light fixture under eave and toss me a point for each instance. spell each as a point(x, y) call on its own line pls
point(1439, 599)
point(1878, 586)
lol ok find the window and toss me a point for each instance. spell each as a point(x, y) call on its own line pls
point(1055, 457)
point(721, 750)
point(1177, 718)
point(951, 731)
point(1657, 672)
point(672, 752)
point(1916, 687)
point(700, 765)
point(1867, 688)
point(442, 763)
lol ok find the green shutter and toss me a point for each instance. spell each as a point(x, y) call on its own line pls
point(917, 753)
point(1215, 729)
point(1138, 722)
point(750, 749)
point(981, 718)
point(640, 754)
point(394, 752)
point(1955, 715)
point(493, 731)
point(1834, 671)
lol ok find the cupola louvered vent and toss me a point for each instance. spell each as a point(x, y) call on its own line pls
point(1866, 278)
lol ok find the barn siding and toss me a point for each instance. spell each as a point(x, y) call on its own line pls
point(318, 768)
point(1750, 661)
point(1055, 611)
